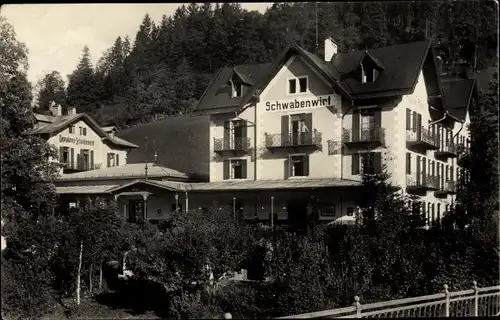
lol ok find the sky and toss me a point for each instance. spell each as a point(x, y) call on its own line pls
point(55, 34)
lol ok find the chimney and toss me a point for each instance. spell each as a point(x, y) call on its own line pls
point(330, 49)
point(71, 110)
point(55, 109)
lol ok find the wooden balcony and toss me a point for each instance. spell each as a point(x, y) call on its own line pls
point(235, 145)
point(365, 137)
point(421, 183)
point(447, 151)
point(423, 139)
point(449, 187)
point(306, 140)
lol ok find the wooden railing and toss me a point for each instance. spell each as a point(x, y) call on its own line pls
point(475, 302)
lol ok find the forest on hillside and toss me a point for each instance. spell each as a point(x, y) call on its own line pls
point(166, 68)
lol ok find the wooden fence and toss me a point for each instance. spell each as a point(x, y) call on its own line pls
point(467, 303)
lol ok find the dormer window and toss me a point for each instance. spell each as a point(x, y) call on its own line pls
point(370, 68)
point(237, 90)
point(368, 75)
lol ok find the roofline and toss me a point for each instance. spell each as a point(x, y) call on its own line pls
point(136, 176)
point(149, 182)
point(206, 90)
point(217, 110)
point(264, 81)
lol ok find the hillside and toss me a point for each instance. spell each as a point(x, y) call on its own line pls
point(181, 143)
point(166, 68)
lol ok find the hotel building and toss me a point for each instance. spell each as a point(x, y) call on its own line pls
point(298, 133)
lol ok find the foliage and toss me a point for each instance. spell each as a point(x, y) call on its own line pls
point(170, 63)
point(51, 89)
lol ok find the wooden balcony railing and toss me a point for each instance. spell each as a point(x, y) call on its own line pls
point(424, 182)
point(236, 144)
point(306, 139)
point(80, 166)
point(449, 187)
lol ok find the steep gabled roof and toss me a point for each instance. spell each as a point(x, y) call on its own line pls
point(402, 62)
point(400, 67)
point(215, 98)
point(458, 94)
point(58, 124)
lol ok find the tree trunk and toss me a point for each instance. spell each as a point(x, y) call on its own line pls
point(78, 277)
point(90, 277)
point(100, 276)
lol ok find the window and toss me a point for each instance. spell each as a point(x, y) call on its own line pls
point(299, 166)
point(235, 133)
point(81, 130)
point(237, 89)
point(368, 74)
point(408, 163)
point(72, 129)
point(299, 129)
point(235, 169)
point(84, 131)
point(302, 85)
point(64, 155)
point(85, 156)
point(368, 163)
point(111, 159)
point(328, 209)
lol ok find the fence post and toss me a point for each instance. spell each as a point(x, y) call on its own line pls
point(476, 299)
point(447, 301)
point(358, 307)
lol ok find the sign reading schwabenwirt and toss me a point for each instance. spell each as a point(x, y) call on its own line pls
point(295, 104)
point(76, 141)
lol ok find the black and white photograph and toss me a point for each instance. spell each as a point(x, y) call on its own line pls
point(249, 160)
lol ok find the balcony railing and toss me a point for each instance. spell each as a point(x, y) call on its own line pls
point(364, 136)
point(463, 154)
point(449, 150)
point(423, 139)
point(449, 187)
point(236, 144)
point(306, 139)
point(423, 183)
point(79, 166)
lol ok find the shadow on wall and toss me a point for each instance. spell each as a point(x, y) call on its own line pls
point(181, 143)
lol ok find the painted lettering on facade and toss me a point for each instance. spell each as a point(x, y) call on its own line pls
point(318, 102)
point(76, 141)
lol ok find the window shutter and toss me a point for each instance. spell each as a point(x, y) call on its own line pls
point(286, 167)
point(117, 159)
point(72, 157)
point(306, 165)
point(418, 170)
point(419, 126)
point(309, 121)
point(355, 125)
point(244, 169)
point(408, 119)
point(226, 165)
point(285, 130)
point(424, 170)
point(61, 152)
point(109, 159)
point(414, 121)
point(355, 164)
point(377, 161)
point(408, 163)
point(92, 159)
point(227, 127)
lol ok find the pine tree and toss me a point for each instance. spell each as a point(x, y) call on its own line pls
point(52, 89)
point(82, 85)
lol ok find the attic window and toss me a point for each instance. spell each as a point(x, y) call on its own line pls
point(237, 89)
point(368, 74)
point(297, 85)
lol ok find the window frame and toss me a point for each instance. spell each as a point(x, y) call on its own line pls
point(231, 168)
point(296, 85)
point(291, 173)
